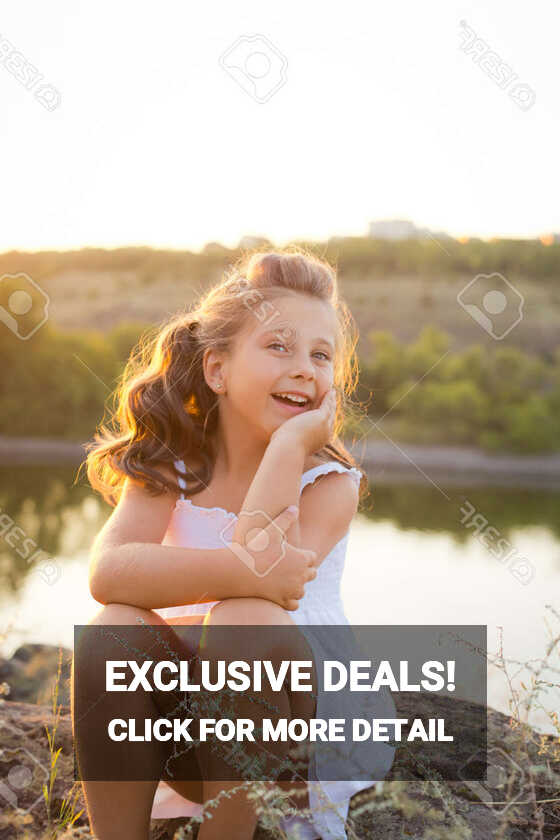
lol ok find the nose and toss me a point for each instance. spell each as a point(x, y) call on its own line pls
point(302, 367)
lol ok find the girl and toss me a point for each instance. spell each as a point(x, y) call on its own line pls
point(226, 420)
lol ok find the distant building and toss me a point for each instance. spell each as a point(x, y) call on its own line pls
point(401, 229)
point(214, 248)
point(393, 229)
point(253, 242)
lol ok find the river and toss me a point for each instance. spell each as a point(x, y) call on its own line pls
point(415, 556)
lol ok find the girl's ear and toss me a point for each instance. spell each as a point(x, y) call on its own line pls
point(213, 369)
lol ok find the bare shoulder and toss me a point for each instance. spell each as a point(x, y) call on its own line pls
point(331, 500)
point(138, 492)
point(333, 484)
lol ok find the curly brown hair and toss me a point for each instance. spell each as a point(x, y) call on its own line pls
point(163, 409)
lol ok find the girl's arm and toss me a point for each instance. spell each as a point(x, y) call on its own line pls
point(277, 481)
point(276, 485)
point(129, 565)
point(327, 506)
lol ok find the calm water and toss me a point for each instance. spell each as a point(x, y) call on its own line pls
point(410, 561)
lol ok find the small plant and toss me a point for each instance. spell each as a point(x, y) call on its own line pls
point(433, 809)
point(67, 814)
point(426, 808)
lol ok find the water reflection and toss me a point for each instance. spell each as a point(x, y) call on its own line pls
point(410, 561)
point(58, 513)
point(425, 508)
point(44, 513)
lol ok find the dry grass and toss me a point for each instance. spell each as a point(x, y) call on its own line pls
point(428, 809)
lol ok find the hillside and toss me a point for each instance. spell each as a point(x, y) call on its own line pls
point(395, 286)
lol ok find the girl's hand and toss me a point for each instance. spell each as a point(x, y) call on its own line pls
point(312, 429)
point(281, 570)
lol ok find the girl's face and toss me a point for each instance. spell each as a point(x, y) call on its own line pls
point(289, 351)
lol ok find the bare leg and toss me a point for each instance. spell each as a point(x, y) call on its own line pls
point(235, 816)
point(120, 810)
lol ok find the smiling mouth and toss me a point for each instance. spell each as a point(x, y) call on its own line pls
point(296, 402)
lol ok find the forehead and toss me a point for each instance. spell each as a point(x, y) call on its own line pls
point(306, 316)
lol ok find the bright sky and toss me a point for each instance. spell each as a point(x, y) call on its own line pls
point(380, 115)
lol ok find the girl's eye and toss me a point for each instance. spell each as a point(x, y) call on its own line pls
point(325, 358)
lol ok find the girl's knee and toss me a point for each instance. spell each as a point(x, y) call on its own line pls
point(125, 614)
point(285, 644)
point(248, 611)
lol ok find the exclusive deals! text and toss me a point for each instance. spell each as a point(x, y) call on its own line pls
point(240, 675)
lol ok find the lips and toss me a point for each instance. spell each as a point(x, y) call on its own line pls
point(294, 397)
point(291, 407)
point(296, 400)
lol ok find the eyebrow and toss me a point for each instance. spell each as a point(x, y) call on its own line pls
point(318, 340)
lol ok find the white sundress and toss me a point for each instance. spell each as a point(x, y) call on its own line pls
point(192, 526)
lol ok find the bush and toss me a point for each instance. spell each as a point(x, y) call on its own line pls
point(459, 409)
point(497, 398)
point(57, 383)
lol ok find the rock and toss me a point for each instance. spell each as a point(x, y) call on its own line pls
point(31, 673)
point(400, 809)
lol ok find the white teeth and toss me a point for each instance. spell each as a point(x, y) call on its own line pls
point(293, 397)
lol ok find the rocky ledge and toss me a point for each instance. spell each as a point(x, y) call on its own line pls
point(524, 770)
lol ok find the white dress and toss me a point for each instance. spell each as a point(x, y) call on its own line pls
point(192, 526)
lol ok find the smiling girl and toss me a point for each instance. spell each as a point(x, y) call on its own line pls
point(229, 418)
